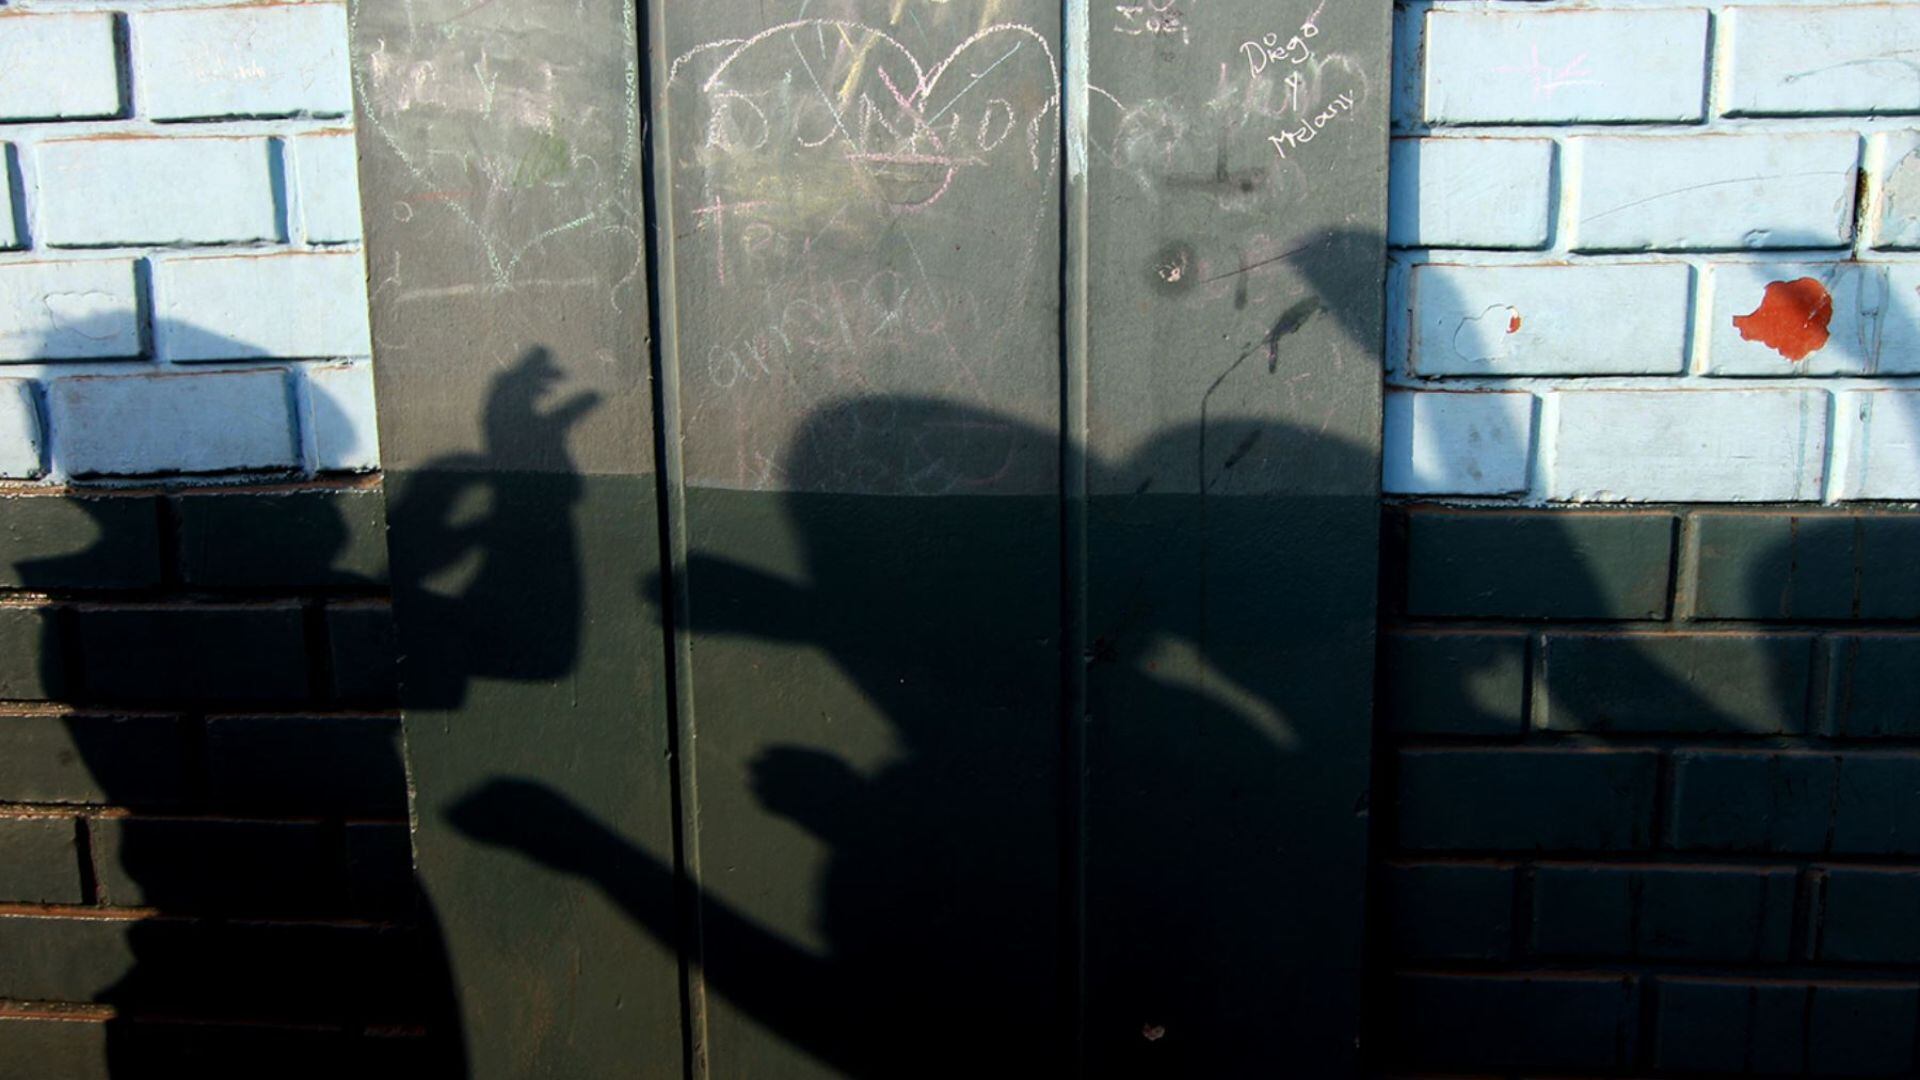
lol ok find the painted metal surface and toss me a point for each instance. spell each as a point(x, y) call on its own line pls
point(1017, 376)
point(501, 177)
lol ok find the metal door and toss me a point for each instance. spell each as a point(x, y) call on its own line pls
point(981, 684)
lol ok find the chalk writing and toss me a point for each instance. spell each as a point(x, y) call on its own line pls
point(1155, 17)
point(1547, 79)
point(1268, 49)
point(1310, 128)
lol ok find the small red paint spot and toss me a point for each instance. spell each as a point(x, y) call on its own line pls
point(1513, 323)
point(1792, 318)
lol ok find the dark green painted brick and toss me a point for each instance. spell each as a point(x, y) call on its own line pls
point(363, 653)
point(1574, 1022)
point(1450, 912)
point(1769, 565)
point(215, 1051)
point(1862, 1030)
point(186, 654)
point(1539, 565)
point(1751, 801)
point(1775, 566)
point(1732, 914)
point(278, 541)
point(1734, 684)
point(1867, 916)
point(1889, 573)
point(1455, 684)
point(1582, 911)
point(120, 761)
point(32, 1048)
point(31, 665)
point(345, 765)
point(1878, 808)
point(51, 958)
point(1585, 800)
point(1873, 686)
point(1714, 1026)
point(1729, 914)
point(196, 866)
point(241, 970)
point(39, 861)
point(61, 542)
point(379, 870)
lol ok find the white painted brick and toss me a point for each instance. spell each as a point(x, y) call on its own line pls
point(328, 181)
point(1457, 444)
point(58, 67)
point(1470, 192)
point(68, 310)
point(20, 441)
point(1900, 321)
point(1764, 315)
point(140, 425)
point(339, 412)
point(1486, 67)
point(1876, 450)
point(1788, 61)
point(1893, 171)
point(172, 190)
point(1685, 445)
point(257, 60)
point(246, 306)
point(1550, 320)
point(1713, 192)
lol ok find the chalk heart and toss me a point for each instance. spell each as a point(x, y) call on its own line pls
point(801, 123)
point(852, 220)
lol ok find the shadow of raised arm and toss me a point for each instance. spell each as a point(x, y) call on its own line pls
point(775, 981)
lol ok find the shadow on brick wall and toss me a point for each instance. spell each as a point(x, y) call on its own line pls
point(1219, 732)
point(245, 898)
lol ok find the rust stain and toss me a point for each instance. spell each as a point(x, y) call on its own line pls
point(1513, 323)
point(1792, 318)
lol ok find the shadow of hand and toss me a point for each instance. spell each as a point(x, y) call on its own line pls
point(739, 599)
point(532, 819)
point(811, 788)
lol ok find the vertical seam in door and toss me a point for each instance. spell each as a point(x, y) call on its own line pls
point(670, 481)
point(1073, 541)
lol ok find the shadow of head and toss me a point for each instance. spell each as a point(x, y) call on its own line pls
point(184, 602)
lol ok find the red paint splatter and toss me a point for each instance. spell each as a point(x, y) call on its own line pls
point(1791, 320)
point(1513, 323)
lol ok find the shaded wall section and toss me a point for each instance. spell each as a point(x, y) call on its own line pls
point(500, 163)
point(203, 803)
point(1650, 781)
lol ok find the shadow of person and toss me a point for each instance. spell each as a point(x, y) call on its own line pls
point(253, 858)
point(946, 894)
point(494, 560)
point(1208, 849)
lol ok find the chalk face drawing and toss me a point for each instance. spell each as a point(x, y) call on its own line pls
point(847, 206)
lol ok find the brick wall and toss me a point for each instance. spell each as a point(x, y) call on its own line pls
point(1655, 250)
point(182, 289)
point(204, 851)
point(1654, 795)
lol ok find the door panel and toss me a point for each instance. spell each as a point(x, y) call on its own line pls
point(987, 690)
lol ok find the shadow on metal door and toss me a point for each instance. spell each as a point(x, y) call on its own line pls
point(920, 622)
